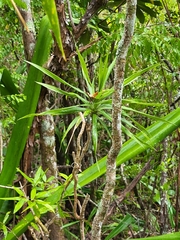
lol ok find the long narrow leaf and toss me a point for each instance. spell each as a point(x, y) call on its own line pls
point(142, 113)
point(104, 72)
point(139, 73)
point(56, 78)
point(59, 111)
point(142, 102)
point(50, 9)
point(158, 131)
point(127, 220)
point(66, 93)
point(94, 132)
point(21, 129)
point(171, 236)
point(85, 73)
point(7, 81)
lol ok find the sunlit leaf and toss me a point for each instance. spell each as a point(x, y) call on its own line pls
point(94, 132)
point(133, 77)
point(122, 225)
point(33, 193)
point(56, 78)
point(19, 191)
point(66, 93)
point(85, 73)
point(31, 180)
point(19, 205)
point(21, 129)
point(50, 9)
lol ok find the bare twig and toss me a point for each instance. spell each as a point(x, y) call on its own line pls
point(20, 16)
point(77, 157)
point(70, 15)
point(83, 48)
point(123, 47)
point(82, 216)
point(92, 8)
point(128, 189)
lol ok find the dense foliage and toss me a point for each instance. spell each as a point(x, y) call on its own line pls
point(56, 110)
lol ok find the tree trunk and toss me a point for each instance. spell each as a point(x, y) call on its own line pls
point(116, 119)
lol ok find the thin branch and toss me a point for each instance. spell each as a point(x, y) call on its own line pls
point(70, 15)
point(122, 50)
point(92, 8)
point(129, 188)
point(77, 157)
point(20, 16)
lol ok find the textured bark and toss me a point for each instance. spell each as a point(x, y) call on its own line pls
point(128, 189)
point(28, 37)
point(49, 164)
point(116, 119)
point(29, 44)
point(60, 67)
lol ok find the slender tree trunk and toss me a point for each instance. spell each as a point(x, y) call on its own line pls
point(49, 164)
point(28, 37)
point(29, 44)
point(116, 119)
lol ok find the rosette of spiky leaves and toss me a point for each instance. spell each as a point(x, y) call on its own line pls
point(96, 103)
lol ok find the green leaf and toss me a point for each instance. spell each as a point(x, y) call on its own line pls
point(127, 220)
point(59, 111)
point(6, 217)
point(21, 4)
point(171, 236)
point(75, 123)
point(31, 180)
point(33, 194)
point(11, 198)
point(104, 94)
point(7, 82)
point(35, 226)
point(7, 87)
point(44, 194)
point(21, 129)
point(19, 205)
point(142, 102)
point(94, 132)
point(104, 72)
point(85, 73)
point(147, 9)
point(157, 132)
point(66, 93)
point(31, 205)
point(142, 113)
point(38, 175)
point(50, 9)
point(20, 227)
point(56, 78)
point(69, 224)
point(45, 204)
point(139, 73)
point(19, 191)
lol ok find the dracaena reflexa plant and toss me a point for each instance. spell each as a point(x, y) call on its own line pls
point(96, 102)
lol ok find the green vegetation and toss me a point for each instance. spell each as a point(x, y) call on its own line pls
point(57, 78)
